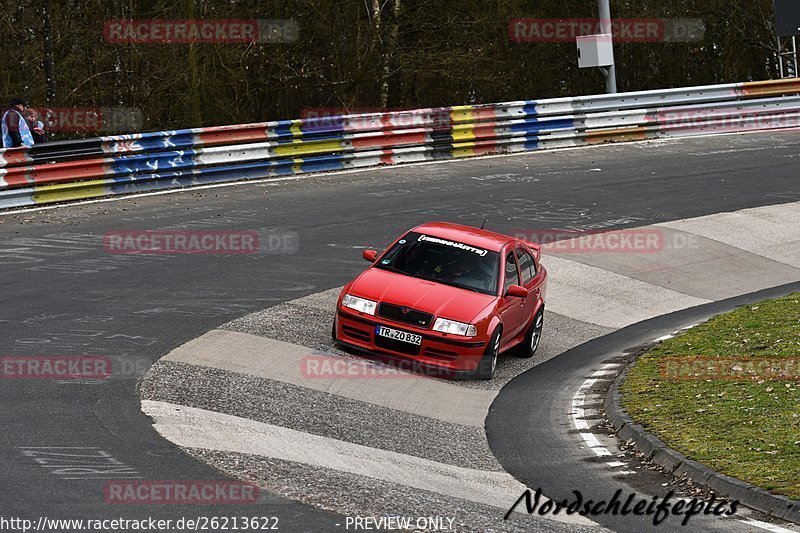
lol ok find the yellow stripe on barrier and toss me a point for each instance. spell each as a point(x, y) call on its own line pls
point(472, 114)
point(295, 128)
point(465, 132)
point(63, 192)
point(464, 150)
point(308, 147)
point(462, 113)
point(297, 168)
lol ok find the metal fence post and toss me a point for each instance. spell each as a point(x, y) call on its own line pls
point(605, 22)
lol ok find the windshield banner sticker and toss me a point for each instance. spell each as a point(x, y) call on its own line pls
point(454, 244)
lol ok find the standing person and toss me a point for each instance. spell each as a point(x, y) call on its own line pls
point(14, 128)
point(36, 126)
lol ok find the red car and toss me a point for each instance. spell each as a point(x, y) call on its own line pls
point(447, 297)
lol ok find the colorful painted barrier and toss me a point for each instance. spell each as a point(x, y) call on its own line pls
point(122, 164)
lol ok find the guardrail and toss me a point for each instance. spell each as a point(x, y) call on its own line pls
point(72, 170)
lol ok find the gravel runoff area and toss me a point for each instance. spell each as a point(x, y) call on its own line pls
point(370, 497)
point(307, 321)
point(318, 413)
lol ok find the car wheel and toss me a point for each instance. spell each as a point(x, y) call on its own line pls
point(333, 331)
point(488, 363)
point(533, 336)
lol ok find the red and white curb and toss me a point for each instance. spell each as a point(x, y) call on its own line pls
point(579, 417)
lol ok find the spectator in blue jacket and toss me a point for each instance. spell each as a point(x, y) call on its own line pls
point(15, 129)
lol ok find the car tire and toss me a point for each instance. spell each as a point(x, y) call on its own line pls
point(333, 332)
point(488, 363)
point(533, 336)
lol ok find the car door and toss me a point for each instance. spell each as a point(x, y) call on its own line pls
point(531, 280)
point(540, 279)
point(512, 309)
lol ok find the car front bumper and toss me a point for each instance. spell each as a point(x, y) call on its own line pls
point(449, 354)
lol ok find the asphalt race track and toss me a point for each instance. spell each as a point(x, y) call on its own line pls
point(422, 441)
point(64, 294)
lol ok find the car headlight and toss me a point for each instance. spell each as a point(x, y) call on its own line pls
point(456, 328)
point(359, 304)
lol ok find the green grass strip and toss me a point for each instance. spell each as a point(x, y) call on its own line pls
point(727, 394)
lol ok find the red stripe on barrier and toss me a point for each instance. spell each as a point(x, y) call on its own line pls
point(485, 131)
point(14, 157)
point(481, 147)
point(211, 138)
point(72, 171)
point(382, 140)
point(17, 177)
point(57, 173)
point(485, 148)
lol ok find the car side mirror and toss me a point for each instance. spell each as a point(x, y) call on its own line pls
point(517, 291)
point(369, 255)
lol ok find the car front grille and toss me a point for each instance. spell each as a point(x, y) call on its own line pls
point(410, 316)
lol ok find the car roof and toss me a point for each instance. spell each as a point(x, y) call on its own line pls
point(481, 238)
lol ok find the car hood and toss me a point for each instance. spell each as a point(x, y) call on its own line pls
point(441, 300)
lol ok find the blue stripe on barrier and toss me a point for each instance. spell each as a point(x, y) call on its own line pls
point(532, 143)
point(534, 125)
point(151, 162)
point(186, 178)
point(181, 140)
point(530, 108)
point(319, 164)
point(182, 178)
point(283, 128)
point(323, 125)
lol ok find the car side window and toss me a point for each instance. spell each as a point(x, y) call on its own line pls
point(512, 277)
point(527, 265)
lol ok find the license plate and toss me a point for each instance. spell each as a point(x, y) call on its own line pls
point(398, 335)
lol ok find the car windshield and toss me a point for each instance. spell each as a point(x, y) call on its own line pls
point(444, 261)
